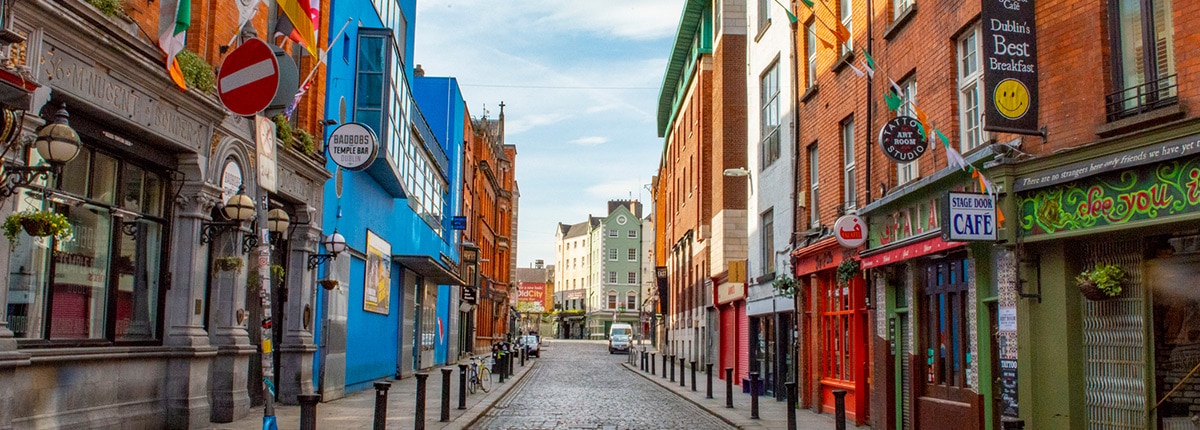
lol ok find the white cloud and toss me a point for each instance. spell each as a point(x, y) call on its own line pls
point(590, 141)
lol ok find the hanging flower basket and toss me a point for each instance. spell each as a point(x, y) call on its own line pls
point(228, 264)
point(328, 284)
point(1102, 282)
point(784, 285)
point(846, 270)
point(36, 224)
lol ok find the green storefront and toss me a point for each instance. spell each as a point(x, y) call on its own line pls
point(1120, 362)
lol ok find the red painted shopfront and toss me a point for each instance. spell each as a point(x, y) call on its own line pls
point(835, 331)
point(734, 344)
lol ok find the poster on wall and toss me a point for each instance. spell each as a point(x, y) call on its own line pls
point(378, 282)
point(1010, 67)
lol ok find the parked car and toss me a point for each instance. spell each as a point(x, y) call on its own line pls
point(619, 336)
point(531, 344)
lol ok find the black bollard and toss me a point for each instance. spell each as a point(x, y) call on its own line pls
point(672, 368)
point(839, 409)
point(753, 395)
point(791, 405)
point(381, 389)
point(645, 363)
point(462, 386)
point(419, 418)
point(500, 367)
point(1007, 423)
point(653, 369)
point(708, 390)
point(664, 366)
point(729, 387)
point(308, 410)
point(693, 376)
point(522, 356)
point(446, 394)
point(682, 371)
point(512, 361)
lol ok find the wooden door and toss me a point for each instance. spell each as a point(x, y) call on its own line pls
point(945, 398)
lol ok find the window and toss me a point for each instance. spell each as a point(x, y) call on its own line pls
point(769, 117)
point(764, 14)
point(612, 233)
point(104, 281)
point(814, 214)
point(631, 278)
point(766, 228)
point(612, 254)
point(850, 190)
point(612, 277)
point(909, 171)
point(846, 8)
point(1143, 73)
point(632, 234)
point(631, 301)
point(632, 254)
point(900, 7)
point(810, 49)
point(370, 79)
point(612, 300)
point(970, 90)
point(946, 300)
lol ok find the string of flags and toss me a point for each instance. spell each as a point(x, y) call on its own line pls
point(894, 99)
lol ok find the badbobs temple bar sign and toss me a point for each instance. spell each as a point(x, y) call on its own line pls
point(1010, 75)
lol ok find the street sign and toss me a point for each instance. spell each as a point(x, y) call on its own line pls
point(459, 223)
point(249, 78)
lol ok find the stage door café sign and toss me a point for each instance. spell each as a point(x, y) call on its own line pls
point(1010, 67)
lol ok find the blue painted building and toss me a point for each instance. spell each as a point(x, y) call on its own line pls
point(381, 320)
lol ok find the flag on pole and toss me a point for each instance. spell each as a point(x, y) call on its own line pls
point(895, 87)
point(297, 22)
point(791, 18)
point(808, 3)
point(174, 18)
point(246, 10)
point(893, 101)
point(868, 64)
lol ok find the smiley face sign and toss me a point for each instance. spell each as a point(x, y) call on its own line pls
point(1011, 98)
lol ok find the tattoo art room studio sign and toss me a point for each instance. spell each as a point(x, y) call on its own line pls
point(901, 139)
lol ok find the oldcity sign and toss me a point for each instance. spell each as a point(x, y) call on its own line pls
point(1010, 67)
point(902, 140)
point(352, 146)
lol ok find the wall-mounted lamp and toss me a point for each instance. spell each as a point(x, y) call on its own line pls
point(739, 173)
point(56, 142)
point(237, 210)
point(335, 244)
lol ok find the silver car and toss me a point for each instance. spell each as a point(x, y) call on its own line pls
point(618, 343)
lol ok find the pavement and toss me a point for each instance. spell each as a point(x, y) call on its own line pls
point(357, 409)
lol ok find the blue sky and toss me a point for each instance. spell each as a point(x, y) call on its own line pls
point(579, 80)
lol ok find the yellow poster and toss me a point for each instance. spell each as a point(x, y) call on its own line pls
point(378, 282)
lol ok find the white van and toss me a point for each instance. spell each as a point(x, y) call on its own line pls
point(619, 337)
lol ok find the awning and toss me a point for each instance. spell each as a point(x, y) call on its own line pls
point(429, 268)
point(905, 252)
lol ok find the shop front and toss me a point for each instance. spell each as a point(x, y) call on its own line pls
point(1125, 211)
point(771, 340)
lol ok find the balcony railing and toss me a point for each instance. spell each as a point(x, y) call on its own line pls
point(1142, 98)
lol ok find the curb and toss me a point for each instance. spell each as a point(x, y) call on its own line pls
point(517, 380)
point(722, 417)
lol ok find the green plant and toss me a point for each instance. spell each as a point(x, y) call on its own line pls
point(784, 285)
point(847, 270)
point(328, 284)
point(306, 144)
point(111, 8)
point(1108, 279)
point(277, 273)
point(228, 264)
point(283, 128)
point(196, 72)
point(36, 223)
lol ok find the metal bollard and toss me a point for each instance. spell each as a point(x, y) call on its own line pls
point(500, 367)
point(1007, 423)
point(510, 366)
point(381, 389)
point(446, 394)
point(839, 409)
point(682, 370)
point(754, 395)
point(664, 366)
point(308, 410)
point(653, 369)
point(693, 376)
point(672, 368)
point(708, 389)
point(419, 419)
point(523, 356)
point(462, 386)
point(791, 405)
point(729, 387)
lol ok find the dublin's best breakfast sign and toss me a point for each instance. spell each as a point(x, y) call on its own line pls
point(1010, 66)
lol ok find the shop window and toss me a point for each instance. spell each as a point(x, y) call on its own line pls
point(947, 346)
point(103, 282)
point(837, 330)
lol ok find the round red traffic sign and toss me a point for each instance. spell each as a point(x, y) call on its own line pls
point(248, 79)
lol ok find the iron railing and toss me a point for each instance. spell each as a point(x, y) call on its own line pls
point(1142, 98)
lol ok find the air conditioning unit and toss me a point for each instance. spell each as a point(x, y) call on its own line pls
point(704, 232)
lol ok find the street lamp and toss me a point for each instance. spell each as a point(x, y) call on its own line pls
point(56, 142)
point(237, 210)
point(334, 243)
point(739, 173)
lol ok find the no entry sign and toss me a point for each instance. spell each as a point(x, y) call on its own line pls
point(248, 79)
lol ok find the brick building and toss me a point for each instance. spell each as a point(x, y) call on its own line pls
point(489, 208)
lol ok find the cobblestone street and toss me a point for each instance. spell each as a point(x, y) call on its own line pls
point(579, 385)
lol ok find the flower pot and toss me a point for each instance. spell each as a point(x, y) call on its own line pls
point(328, 284)
point(36, 227)
point(1090, 291)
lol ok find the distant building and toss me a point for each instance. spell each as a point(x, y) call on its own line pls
point(602, 260)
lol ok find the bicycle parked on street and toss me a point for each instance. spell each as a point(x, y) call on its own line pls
point(479, 375)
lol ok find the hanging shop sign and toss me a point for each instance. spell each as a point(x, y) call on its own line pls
point(1152, 192)
point(353, 146)
point(470, 294)
point(971, 217)
point(1010, 67)
point(850, 231)
point(902, 139)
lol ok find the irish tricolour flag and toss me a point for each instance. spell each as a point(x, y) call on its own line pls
point(174, 18)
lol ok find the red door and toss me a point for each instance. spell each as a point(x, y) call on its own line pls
point(841, 343)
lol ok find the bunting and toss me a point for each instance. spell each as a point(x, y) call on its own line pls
point(791, 17)
point(174, 18)
point(868, 64)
